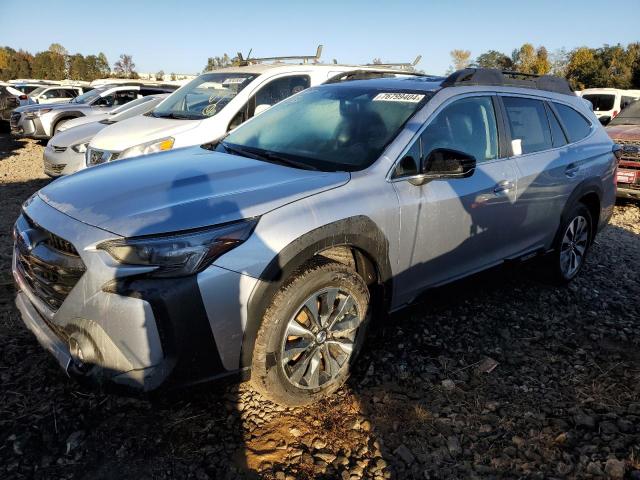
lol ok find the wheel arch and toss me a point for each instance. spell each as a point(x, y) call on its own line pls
point(589, 193)
point(62, 116)
point(355, 241)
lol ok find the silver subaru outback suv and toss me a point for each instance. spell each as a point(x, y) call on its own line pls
point(268, 253)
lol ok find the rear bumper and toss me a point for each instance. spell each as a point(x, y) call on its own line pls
point(627, 192)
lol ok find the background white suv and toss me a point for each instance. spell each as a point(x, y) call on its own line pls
point(214, 103)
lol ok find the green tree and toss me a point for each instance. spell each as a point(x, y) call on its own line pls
point(160, 75)
point(173, 76)
point(58, 65)
point(20, 64)
point(214, 63)
point(584, 68)
point(42, 66)
point(102, 65)
point(78, 67)
point(494, 59)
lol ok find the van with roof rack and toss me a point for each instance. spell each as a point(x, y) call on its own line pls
point(609, 102)
point(267, 254)
point(216, 102)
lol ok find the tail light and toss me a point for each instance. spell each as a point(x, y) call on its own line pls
point(615, 112)
point(22, 97)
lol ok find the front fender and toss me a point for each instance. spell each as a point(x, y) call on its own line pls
point(359, 232)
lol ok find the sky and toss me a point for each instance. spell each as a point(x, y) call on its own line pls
point(178, 36)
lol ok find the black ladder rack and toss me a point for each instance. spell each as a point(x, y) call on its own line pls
point(495, 77)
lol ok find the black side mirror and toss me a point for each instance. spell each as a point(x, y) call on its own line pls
point(444, 163)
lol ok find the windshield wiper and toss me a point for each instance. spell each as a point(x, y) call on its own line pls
point(266, 156)
point(173, 115)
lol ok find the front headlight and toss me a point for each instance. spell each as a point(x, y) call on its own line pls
point(37, 113)
point(180, 254)
point(80, 147)
point(147, 148)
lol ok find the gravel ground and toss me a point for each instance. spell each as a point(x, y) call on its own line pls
point(499, 376)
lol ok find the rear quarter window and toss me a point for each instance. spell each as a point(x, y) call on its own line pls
point(576, 126)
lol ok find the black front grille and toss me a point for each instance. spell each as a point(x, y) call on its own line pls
point(630, 149)
point(48, 264)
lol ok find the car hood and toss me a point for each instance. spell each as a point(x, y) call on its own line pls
point(180, 190)
point(140, 129)
point(75, 135)
point(624, 132)
point(75, 122)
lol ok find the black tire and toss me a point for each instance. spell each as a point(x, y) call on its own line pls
point(560, 273)
point(271, 375)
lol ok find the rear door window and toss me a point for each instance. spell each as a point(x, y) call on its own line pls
point(528, 123)
point(575, 124)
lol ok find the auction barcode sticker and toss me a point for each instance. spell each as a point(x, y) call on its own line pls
point(398, 97)
point(234, 80)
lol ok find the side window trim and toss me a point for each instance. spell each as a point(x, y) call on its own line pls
point(502, 155)
point(552, 111)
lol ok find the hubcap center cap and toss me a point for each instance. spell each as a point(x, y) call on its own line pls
point(321, 336)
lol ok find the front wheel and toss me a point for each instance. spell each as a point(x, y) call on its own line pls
point(572, 244)
point(311, 333)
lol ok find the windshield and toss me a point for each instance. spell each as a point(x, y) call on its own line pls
point(89, 96)
point(601, 102)
point(25, 88)
point(37, 91)
point(334, 127)
point(204, 96)
point(136, 107)
point(131, 104)
point(629, 116)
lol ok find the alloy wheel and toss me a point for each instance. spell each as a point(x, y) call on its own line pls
point(574, 246)
point(319, 339)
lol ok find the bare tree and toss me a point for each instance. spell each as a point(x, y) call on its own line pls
point(125, 68)
point(460, 59)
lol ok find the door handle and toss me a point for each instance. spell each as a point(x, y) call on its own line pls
point(571, 170)
point(503, 188)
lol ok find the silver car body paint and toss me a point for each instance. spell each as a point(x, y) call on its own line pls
point(435, 232)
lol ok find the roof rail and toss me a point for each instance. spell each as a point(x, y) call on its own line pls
point(399, 65)
point(367, 74)
point(495, 77)
point(305, 58)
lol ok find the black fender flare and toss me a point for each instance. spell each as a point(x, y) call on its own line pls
point(591, 185)
point(359, 232)
point(65, 115)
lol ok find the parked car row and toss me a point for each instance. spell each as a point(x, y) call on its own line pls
point(255, 221)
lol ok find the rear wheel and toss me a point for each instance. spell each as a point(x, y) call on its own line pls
point(572, 244)
point(311, 333)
